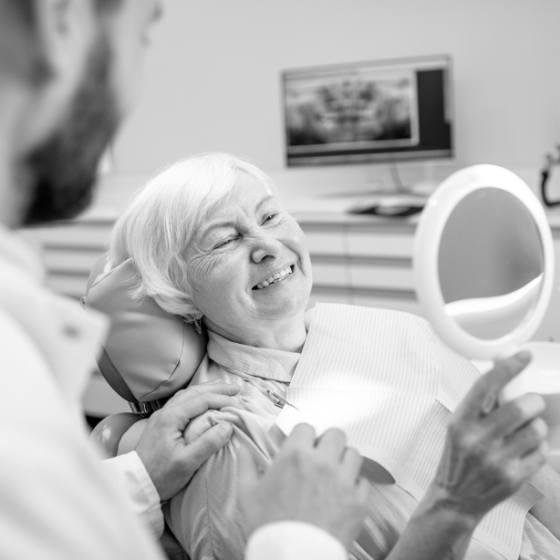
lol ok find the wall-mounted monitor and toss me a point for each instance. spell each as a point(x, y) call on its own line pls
point(361, 112)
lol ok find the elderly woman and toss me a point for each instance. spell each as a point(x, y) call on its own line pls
point(213, 244)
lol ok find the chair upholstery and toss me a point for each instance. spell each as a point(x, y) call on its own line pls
point(149, 353)
point(109, 431)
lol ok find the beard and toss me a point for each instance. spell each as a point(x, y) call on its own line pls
point(61, 172)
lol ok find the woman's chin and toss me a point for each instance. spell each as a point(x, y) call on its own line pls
point(279, 303)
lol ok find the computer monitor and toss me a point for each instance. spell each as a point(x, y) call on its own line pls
point(392, 110)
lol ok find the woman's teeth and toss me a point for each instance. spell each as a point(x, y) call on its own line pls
point(278, 277)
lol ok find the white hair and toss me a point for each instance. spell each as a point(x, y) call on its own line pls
point(157, 227)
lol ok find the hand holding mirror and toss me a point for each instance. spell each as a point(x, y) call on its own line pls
point(484, 268)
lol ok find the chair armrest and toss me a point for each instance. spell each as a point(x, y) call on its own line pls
point(109, 431)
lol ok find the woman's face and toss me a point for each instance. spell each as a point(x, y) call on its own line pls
point(248, 265)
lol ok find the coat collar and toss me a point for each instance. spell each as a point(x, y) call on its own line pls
point(67, 336)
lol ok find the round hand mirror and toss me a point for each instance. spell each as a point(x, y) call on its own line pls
point(484, 262)
point(484, 268)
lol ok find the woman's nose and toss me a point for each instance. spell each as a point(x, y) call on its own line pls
point(264, 247)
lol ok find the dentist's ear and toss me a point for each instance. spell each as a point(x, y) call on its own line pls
point(65, 30)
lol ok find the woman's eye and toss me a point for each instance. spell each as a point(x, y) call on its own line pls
point(226, 241)
point(269, 217)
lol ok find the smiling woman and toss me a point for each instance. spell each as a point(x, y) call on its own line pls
point(212, 243)
point(210, 239)
point(249, 270)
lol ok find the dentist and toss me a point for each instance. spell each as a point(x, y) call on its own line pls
point(67, 72)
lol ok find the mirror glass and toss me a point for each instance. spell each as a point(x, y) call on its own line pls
point(484, 262)
point(490, 263)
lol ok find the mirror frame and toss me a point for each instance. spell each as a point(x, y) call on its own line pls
point(426, 250)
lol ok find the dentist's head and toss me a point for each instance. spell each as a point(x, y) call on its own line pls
point(211, 239)
point(67, 71)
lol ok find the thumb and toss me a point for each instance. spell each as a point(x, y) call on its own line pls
point(488, 386)
point(205, 445)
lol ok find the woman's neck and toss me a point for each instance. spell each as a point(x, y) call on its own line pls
point(288, 335)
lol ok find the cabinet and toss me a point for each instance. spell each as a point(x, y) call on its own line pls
point(359, 260)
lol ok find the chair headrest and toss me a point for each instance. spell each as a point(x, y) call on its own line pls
point(149, 353)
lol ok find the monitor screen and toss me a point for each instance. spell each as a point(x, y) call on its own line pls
point(368, 111)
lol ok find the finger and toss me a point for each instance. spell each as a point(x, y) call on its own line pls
point(220, 387)
point(301, 437)
point(351, 464)
point(532, 462)
point(223, 387)
point(527, 439)
point(363, 491)
point(277, 436)
point(331, 444)
point(198, 452)
point(509, 417)
point(200, 424)
point(182, 412)
point(489, 385)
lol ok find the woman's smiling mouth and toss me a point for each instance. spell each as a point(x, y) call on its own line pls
point(275, 278)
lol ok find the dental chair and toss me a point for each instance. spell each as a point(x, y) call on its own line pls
point(149, 354)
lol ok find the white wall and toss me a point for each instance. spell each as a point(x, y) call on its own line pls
point(212, 81)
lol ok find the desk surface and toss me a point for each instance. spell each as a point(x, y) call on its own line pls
point(327, 210)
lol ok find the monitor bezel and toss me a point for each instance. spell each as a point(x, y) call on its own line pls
point(367, 157)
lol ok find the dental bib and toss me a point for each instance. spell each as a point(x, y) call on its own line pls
point(380, 375)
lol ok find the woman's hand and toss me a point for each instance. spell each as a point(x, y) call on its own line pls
point(491, 449)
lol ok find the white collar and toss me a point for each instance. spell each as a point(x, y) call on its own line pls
point(266, 363)
point(21, 250)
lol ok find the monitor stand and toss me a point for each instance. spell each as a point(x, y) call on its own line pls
point(389, 203)
point(397, 201)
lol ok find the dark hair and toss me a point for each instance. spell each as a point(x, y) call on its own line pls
point(103, 5)
point(22, 11)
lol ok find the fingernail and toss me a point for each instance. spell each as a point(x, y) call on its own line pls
point(524, 356)
point(488, 403)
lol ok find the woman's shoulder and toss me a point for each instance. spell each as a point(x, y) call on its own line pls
point(202, 516)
